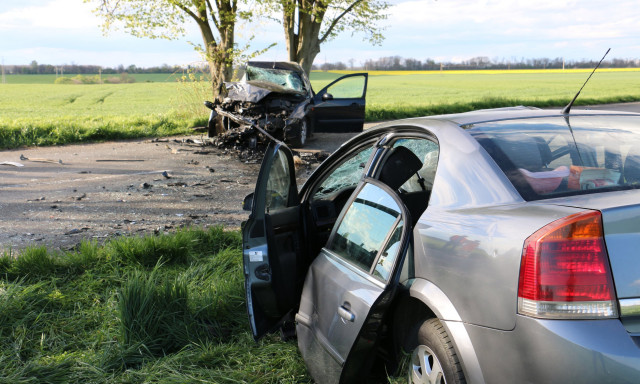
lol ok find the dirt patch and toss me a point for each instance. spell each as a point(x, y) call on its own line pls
point(62, 195)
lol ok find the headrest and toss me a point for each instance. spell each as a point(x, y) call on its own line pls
point(523, 151)
point(399, 166)
point(632, 169)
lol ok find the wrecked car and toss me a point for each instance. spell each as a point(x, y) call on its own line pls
point(485, 247)
point(276, 98)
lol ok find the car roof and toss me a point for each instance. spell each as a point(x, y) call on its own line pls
point(510, 113)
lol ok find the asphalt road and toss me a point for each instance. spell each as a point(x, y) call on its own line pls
point(62, 195)
point(622, 107)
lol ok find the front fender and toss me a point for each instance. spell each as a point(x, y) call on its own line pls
point(439, 303)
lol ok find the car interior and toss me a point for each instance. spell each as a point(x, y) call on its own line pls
point(402, 170)
point(400, 165)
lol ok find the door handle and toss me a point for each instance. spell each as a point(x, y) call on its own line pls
point(346, 314)
point(354, 105)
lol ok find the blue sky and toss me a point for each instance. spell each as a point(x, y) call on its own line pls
point(65, 32)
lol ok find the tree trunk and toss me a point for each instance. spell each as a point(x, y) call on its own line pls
point(303, 37)
point(218, 54)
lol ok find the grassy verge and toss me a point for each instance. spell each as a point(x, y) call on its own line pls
point(66, 130)
point(160, 309)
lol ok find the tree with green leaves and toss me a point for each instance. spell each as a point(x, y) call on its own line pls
point(310, 23)
point(166, 19)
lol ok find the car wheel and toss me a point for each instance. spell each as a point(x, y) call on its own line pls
point(300, 140)
point(217, 126)
point(433, 359)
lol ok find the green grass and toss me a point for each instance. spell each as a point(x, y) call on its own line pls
point(159, 309)
point(54, 114)
point(49, 79)
point(398, 96)
point(48, 114)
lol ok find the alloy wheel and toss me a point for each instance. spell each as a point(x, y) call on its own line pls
point(425, 367)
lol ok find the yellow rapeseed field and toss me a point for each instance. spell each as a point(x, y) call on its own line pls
point(487, 71)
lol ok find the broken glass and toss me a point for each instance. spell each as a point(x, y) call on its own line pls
point(281, 77)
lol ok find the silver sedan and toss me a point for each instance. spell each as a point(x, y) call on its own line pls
point(485, 247)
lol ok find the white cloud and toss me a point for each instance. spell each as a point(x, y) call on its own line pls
point(56, 14)
point(59, 31)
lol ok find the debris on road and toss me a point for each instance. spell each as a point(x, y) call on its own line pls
point(40, 160)
point(118, 160)
point(76, 231)
point(12, 163)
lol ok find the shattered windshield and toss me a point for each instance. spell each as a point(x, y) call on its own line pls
point(551, 157)
point(347, 175)
point(282, 77)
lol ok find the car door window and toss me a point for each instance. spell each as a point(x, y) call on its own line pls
point(348, 88)
point(370, 221)
point(278, 184)
point(387, 257)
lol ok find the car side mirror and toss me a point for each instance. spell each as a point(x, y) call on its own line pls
point(247, 203)
point(327, 97)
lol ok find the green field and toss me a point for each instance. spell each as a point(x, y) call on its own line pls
point(392, 96)
point(49, 79)
point(33, 111)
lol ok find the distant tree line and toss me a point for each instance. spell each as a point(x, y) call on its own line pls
point(397, 63)
point(41, 69)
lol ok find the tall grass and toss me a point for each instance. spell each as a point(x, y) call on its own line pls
point(159, 309)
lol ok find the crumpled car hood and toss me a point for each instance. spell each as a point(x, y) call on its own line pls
point(253, 91)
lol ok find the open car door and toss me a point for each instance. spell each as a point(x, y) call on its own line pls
point(351, 284)
point(271, 243)
point(340, 106)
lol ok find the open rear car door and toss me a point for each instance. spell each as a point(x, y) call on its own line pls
point(271, 238)
point(351, 284)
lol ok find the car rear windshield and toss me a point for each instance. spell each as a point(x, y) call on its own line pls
point(558, 156)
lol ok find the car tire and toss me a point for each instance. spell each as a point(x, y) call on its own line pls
point(433, 358)
point(216, 126)
point(300, 140)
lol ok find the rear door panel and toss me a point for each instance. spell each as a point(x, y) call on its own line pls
point(347, 291)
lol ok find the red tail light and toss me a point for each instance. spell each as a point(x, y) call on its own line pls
point(564, 272)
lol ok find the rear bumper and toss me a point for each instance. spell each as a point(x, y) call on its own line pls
point(558, 351)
